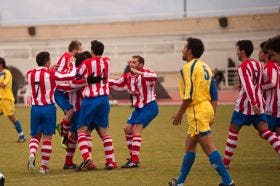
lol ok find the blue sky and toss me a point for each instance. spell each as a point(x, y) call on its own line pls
point(24, 12)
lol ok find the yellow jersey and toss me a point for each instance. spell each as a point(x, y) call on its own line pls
point(195, 82)
point(7, 79)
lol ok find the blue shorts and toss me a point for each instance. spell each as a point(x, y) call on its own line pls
point(43, 119)
point(94, 112)
point(74, 121)
point(273, 122)
point(241, 119)
point(144, 115)
point(62, 100)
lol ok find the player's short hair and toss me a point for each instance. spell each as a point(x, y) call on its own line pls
point(80, 57)
point(97, 47)
point(42, 58)
point(3, 62)
point(246, 46)
point(140, 59)
point(75, 44)
point(274, 44)
point(263, 46)
point(196, 46)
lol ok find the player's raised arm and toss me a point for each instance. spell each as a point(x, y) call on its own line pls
point(66, 76)
point(118, 84)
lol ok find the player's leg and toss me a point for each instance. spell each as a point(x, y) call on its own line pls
point(46, 152)
point(48, 128)
point(108, 148)
point(64, 126)
point(102, 122)
point(206, 142)
point(260, 124)
point(188, 160)
point(136, 142)
point(70, 151)
point(36, 133)
point(237, 122)
point(141, 118)
point(86, 117)
point(83, 142)
point(8, 109)
point(128, 137)
point(17, 125)
point(33, 147)
point(72, 143)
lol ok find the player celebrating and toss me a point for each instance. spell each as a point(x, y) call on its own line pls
point(7, 106)
point(61, 97)
point(196, 86)
point(140, 83)
point(42, 82)
point(249, 107)
point(95, 107)
point(270, 87)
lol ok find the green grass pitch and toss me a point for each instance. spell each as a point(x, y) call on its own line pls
point(254, 162)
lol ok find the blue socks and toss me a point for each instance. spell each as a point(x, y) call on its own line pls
point(19, 130)
point(188, 160)
point(216, 161)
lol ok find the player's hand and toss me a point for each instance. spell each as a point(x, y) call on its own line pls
point(136, 71)
point(256, 109)
point(94, 79)
point(177, 119)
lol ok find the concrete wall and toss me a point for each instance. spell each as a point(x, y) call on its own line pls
point(160, 42)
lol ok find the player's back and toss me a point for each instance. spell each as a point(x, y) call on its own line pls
point(271, 88)
point(42, 84)
point(7, 79)
point(96, 66)
point(197, 86)
point(250, 79)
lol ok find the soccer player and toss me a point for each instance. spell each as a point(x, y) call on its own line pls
point(140, 83)
point(42, 82)
point(95, 107)
point(75, 98)
point(271, 88)
point(273, 47)
point(249, 107)
point(196, 87)
point(61, 97)
point(7, 106)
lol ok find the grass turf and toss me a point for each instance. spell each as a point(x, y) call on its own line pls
point(254, 162)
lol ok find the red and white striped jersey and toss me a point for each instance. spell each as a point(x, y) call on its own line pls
point(271, 88)
point(250, 93)
point(63, 63)
point(98, 66)
point(141, 87)
point(42, 82)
